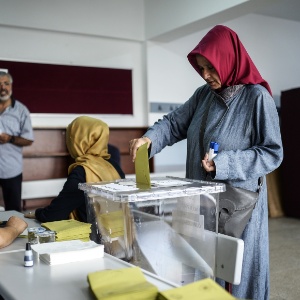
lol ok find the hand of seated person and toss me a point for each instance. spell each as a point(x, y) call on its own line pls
point(19, 224)
point(30, 215)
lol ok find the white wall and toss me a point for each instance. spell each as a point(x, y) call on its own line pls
point(121, 19)
point(112, 34)
point(81, 50)
point(272, 43)
point(71, 32)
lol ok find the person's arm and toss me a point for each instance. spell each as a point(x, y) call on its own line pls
point(22, 137)
point(14, 227)
point(169, 130)
point(69, 199)
point(15, 140)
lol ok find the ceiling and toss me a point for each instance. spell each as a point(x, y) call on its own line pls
point(287, 9)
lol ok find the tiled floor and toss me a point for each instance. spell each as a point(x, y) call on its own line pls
point(284, 258)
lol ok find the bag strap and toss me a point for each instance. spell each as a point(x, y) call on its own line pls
point(260, 183)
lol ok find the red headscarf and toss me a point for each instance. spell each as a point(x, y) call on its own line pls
point(223, 49)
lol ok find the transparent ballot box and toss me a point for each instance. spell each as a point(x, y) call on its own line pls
point(169, 229)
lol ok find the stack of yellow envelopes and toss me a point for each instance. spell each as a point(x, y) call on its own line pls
point(121, 284)
point(67, 230)
point(205, 289)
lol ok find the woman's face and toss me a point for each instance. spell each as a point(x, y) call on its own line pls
point(208, 73)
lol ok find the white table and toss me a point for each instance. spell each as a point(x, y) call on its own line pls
point(66, 281)
point(69, 281)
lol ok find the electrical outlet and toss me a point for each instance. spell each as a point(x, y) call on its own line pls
point(163, 107)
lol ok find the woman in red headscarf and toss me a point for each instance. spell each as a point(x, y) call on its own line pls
point(234, 108)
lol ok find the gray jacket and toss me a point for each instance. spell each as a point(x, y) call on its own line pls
point(246, 126)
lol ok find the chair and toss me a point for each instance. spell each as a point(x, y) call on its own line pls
point(115, 153)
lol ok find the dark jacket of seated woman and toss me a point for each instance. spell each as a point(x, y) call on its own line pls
point(87, 143)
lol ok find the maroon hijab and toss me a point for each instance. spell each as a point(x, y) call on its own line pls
point(223, 49)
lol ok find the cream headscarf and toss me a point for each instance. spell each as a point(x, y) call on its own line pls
point(87, 140)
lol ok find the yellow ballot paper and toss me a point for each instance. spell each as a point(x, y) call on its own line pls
point(142, 172)
point(66, 230)
point(121, 284)
point(205, 289)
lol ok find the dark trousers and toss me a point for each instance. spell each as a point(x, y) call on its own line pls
point(12, 189)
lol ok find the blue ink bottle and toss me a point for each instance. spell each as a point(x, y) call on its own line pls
point(28, 257)
point(213, 150)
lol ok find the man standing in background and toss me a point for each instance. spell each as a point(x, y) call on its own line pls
point(15, 133)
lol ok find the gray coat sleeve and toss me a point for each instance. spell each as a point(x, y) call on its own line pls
point(265, 153)
point(173, 127)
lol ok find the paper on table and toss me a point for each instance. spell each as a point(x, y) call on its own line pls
point(69, 230)
point(125, 283)
point(142, 171)
point(68, 251)
point(205, 289)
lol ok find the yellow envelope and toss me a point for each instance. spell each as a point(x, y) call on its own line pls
point(121, 284)
point(205, 289)
point(142, 172)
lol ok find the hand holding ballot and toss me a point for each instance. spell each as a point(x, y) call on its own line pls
point(136, 143)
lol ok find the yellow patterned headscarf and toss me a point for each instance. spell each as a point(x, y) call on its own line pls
point(87, 140)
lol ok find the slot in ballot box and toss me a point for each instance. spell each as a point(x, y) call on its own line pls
point(169, 229)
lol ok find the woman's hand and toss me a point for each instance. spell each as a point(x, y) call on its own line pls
point(136, 143)
point(209, 166)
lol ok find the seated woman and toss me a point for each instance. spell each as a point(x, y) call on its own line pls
point(87, 142)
